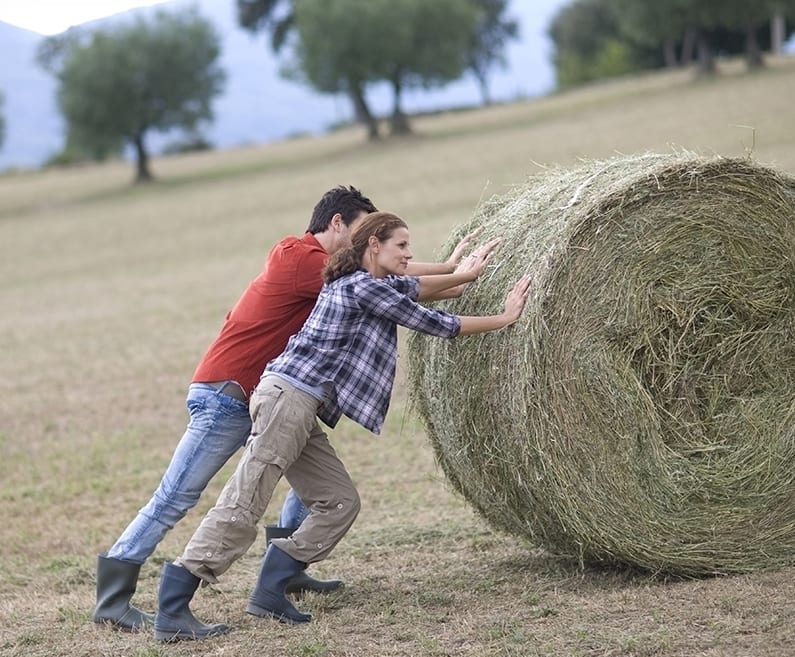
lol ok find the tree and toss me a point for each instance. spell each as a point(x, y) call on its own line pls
point(278, 18)
point(275, 16)
point(751, 20)
point(487, 46)
point(348, 44)
point(116, 85)
point(590, 44)
point(703, 28)
point(661, 24)
point(345, 46)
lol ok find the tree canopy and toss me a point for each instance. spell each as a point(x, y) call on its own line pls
point(490, 36)
point(600, 38)
point(408, 44)
point(115, 85)
point(349, 45)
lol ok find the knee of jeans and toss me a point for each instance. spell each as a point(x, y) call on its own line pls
point(175, 504)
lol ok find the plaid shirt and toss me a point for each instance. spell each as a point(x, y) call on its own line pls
point(350, 340)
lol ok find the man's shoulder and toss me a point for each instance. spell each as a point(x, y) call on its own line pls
point(294, 245)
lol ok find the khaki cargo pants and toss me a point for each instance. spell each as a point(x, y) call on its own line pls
point(286, 439)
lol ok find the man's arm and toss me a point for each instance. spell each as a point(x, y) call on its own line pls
point(446, 267)
point(435, 287)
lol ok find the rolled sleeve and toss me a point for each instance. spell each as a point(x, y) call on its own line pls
point(380, 299)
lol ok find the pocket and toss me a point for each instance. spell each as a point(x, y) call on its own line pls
point(249, 482)
point(263, 406)
point(282, 423)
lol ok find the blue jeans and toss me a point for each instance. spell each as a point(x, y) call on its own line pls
point(293, 511)
point(219, 425)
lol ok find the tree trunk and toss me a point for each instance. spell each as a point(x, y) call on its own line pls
point(778, 29)
point(143, 174)
point(753, 53)
point(399, 124)
point(669, 54)
point(483, 84)
point(705, 64)
point(361, 110)
point(688, 47)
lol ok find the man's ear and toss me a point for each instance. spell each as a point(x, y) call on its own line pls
point(337, 222)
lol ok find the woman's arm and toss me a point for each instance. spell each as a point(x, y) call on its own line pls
point(384, 299)
point(514, 303)
point(446, 267)
point(444, 286)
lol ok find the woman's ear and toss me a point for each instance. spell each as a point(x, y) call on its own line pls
point(373, 243)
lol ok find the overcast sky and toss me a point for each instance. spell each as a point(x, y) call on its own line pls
point(54, 16)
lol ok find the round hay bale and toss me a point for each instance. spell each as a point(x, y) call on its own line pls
point(642, 410)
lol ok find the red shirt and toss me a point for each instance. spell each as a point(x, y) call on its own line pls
point(273, 307)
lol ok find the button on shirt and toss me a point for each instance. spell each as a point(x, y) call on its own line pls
point(350, 340)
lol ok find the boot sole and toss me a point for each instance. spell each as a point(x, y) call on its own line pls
point(261, 612)
point(121, 627)
point(301, 590)
point(174, 636)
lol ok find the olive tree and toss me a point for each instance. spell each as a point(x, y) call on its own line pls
point(349, 44)
point(117, 84)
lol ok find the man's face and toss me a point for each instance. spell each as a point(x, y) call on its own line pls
point(345, 232)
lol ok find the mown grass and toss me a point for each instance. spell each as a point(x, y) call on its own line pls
point(110, 293)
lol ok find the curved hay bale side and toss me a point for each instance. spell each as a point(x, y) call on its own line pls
point(642, 411)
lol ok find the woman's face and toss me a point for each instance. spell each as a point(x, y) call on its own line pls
point(392, 255)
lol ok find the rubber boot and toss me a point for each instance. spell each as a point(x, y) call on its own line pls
point(302, 582)
point(174, 620)
point(267, 598)
point(116, 584)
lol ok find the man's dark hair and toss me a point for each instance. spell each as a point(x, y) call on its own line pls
point(347, 201)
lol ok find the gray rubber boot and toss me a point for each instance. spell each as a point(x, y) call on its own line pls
point(116, 584)
point(300, 583)
point(174, 620)
point(267, 598)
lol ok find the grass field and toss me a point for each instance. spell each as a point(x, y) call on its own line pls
point(110, 294)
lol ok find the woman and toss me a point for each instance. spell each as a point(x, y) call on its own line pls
point(341, 362)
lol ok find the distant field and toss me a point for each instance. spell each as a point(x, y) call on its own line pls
point(110, 294)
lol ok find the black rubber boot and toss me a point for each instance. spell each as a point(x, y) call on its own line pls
point(116, 583)
point(268, 597)
point(174, 620)
point(301, 583)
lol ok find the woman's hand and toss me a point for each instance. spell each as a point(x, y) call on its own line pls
point(516, 299)
point(514, 304)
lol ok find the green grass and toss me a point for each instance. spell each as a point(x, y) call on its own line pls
point(111, 294)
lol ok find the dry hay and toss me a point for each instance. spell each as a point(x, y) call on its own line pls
point(642, 410)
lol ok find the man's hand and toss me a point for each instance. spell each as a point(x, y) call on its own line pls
point(458, 252)
point(476, 261)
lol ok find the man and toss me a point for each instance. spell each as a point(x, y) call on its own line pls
point(273, 307)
